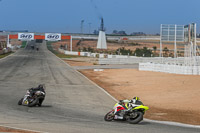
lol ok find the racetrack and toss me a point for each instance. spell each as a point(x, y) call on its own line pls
point(73, 104)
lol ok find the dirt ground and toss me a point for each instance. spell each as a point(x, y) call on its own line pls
point(170, 97)
point(10, 130)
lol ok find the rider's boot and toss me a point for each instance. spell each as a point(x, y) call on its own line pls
point(118, 117)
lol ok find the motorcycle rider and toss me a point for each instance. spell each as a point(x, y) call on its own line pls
point(40, 87)
point(122, 107)
point(32, 92)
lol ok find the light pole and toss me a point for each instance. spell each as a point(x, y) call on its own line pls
point(82, 21)
point(89, 27)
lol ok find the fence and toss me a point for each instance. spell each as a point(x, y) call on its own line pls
point(116, 59)
point(170, 68)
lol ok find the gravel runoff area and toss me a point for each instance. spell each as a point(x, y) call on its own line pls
point(170, 97)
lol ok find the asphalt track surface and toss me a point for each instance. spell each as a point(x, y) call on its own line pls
point(73, 104)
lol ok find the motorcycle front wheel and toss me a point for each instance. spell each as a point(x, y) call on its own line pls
point(20, 101)
point(109, 116)
point(135, 120)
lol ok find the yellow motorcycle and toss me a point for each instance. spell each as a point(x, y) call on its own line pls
point(134, 114)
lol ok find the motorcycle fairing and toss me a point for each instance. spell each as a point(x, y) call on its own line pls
point(117, 107)
point(140, 107)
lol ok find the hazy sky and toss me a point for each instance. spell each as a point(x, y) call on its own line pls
point(66, 15)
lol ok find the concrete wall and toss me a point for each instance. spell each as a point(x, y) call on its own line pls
point(89, 54)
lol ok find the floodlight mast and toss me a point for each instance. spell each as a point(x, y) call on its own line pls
point(82, 21)
point(89, 27)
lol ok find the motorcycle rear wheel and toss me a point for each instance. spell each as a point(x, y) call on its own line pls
point(34, 103)
point(109, 116)
point(137, 119)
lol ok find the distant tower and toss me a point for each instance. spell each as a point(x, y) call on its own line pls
point(101, 44)
point(8, 42)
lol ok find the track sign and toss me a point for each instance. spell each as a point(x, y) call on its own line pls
point(172, 32)
point(26, 36)
point(52, 36)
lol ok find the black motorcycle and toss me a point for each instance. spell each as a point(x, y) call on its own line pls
point(32, 99)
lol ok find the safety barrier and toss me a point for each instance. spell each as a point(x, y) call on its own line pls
point(170, 68)
point(114, 59)
point(88, 54)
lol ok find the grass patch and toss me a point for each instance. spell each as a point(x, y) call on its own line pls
point(23, 44)
point(60, 55)
point(4, 55)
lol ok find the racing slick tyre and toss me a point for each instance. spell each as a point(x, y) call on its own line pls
point(33, 103)
point(40, 102)
point(20, 101)
point(109, 116)
point(136, 119)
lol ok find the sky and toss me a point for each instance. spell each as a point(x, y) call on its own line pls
point(65, 16)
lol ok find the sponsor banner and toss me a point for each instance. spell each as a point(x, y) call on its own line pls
point(52, 36)
point(26, 36)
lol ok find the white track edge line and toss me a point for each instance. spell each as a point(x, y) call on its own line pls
point(172, 123)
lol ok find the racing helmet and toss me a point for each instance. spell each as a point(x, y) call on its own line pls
point(41, 86)
point(135, 99)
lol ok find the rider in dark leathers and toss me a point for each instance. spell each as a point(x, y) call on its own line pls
point(32, 92)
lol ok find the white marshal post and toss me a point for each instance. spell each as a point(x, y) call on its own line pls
point(71, 43)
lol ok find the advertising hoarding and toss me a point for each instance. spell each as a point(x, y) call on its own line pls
point(52, 36)
point(26, 36)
